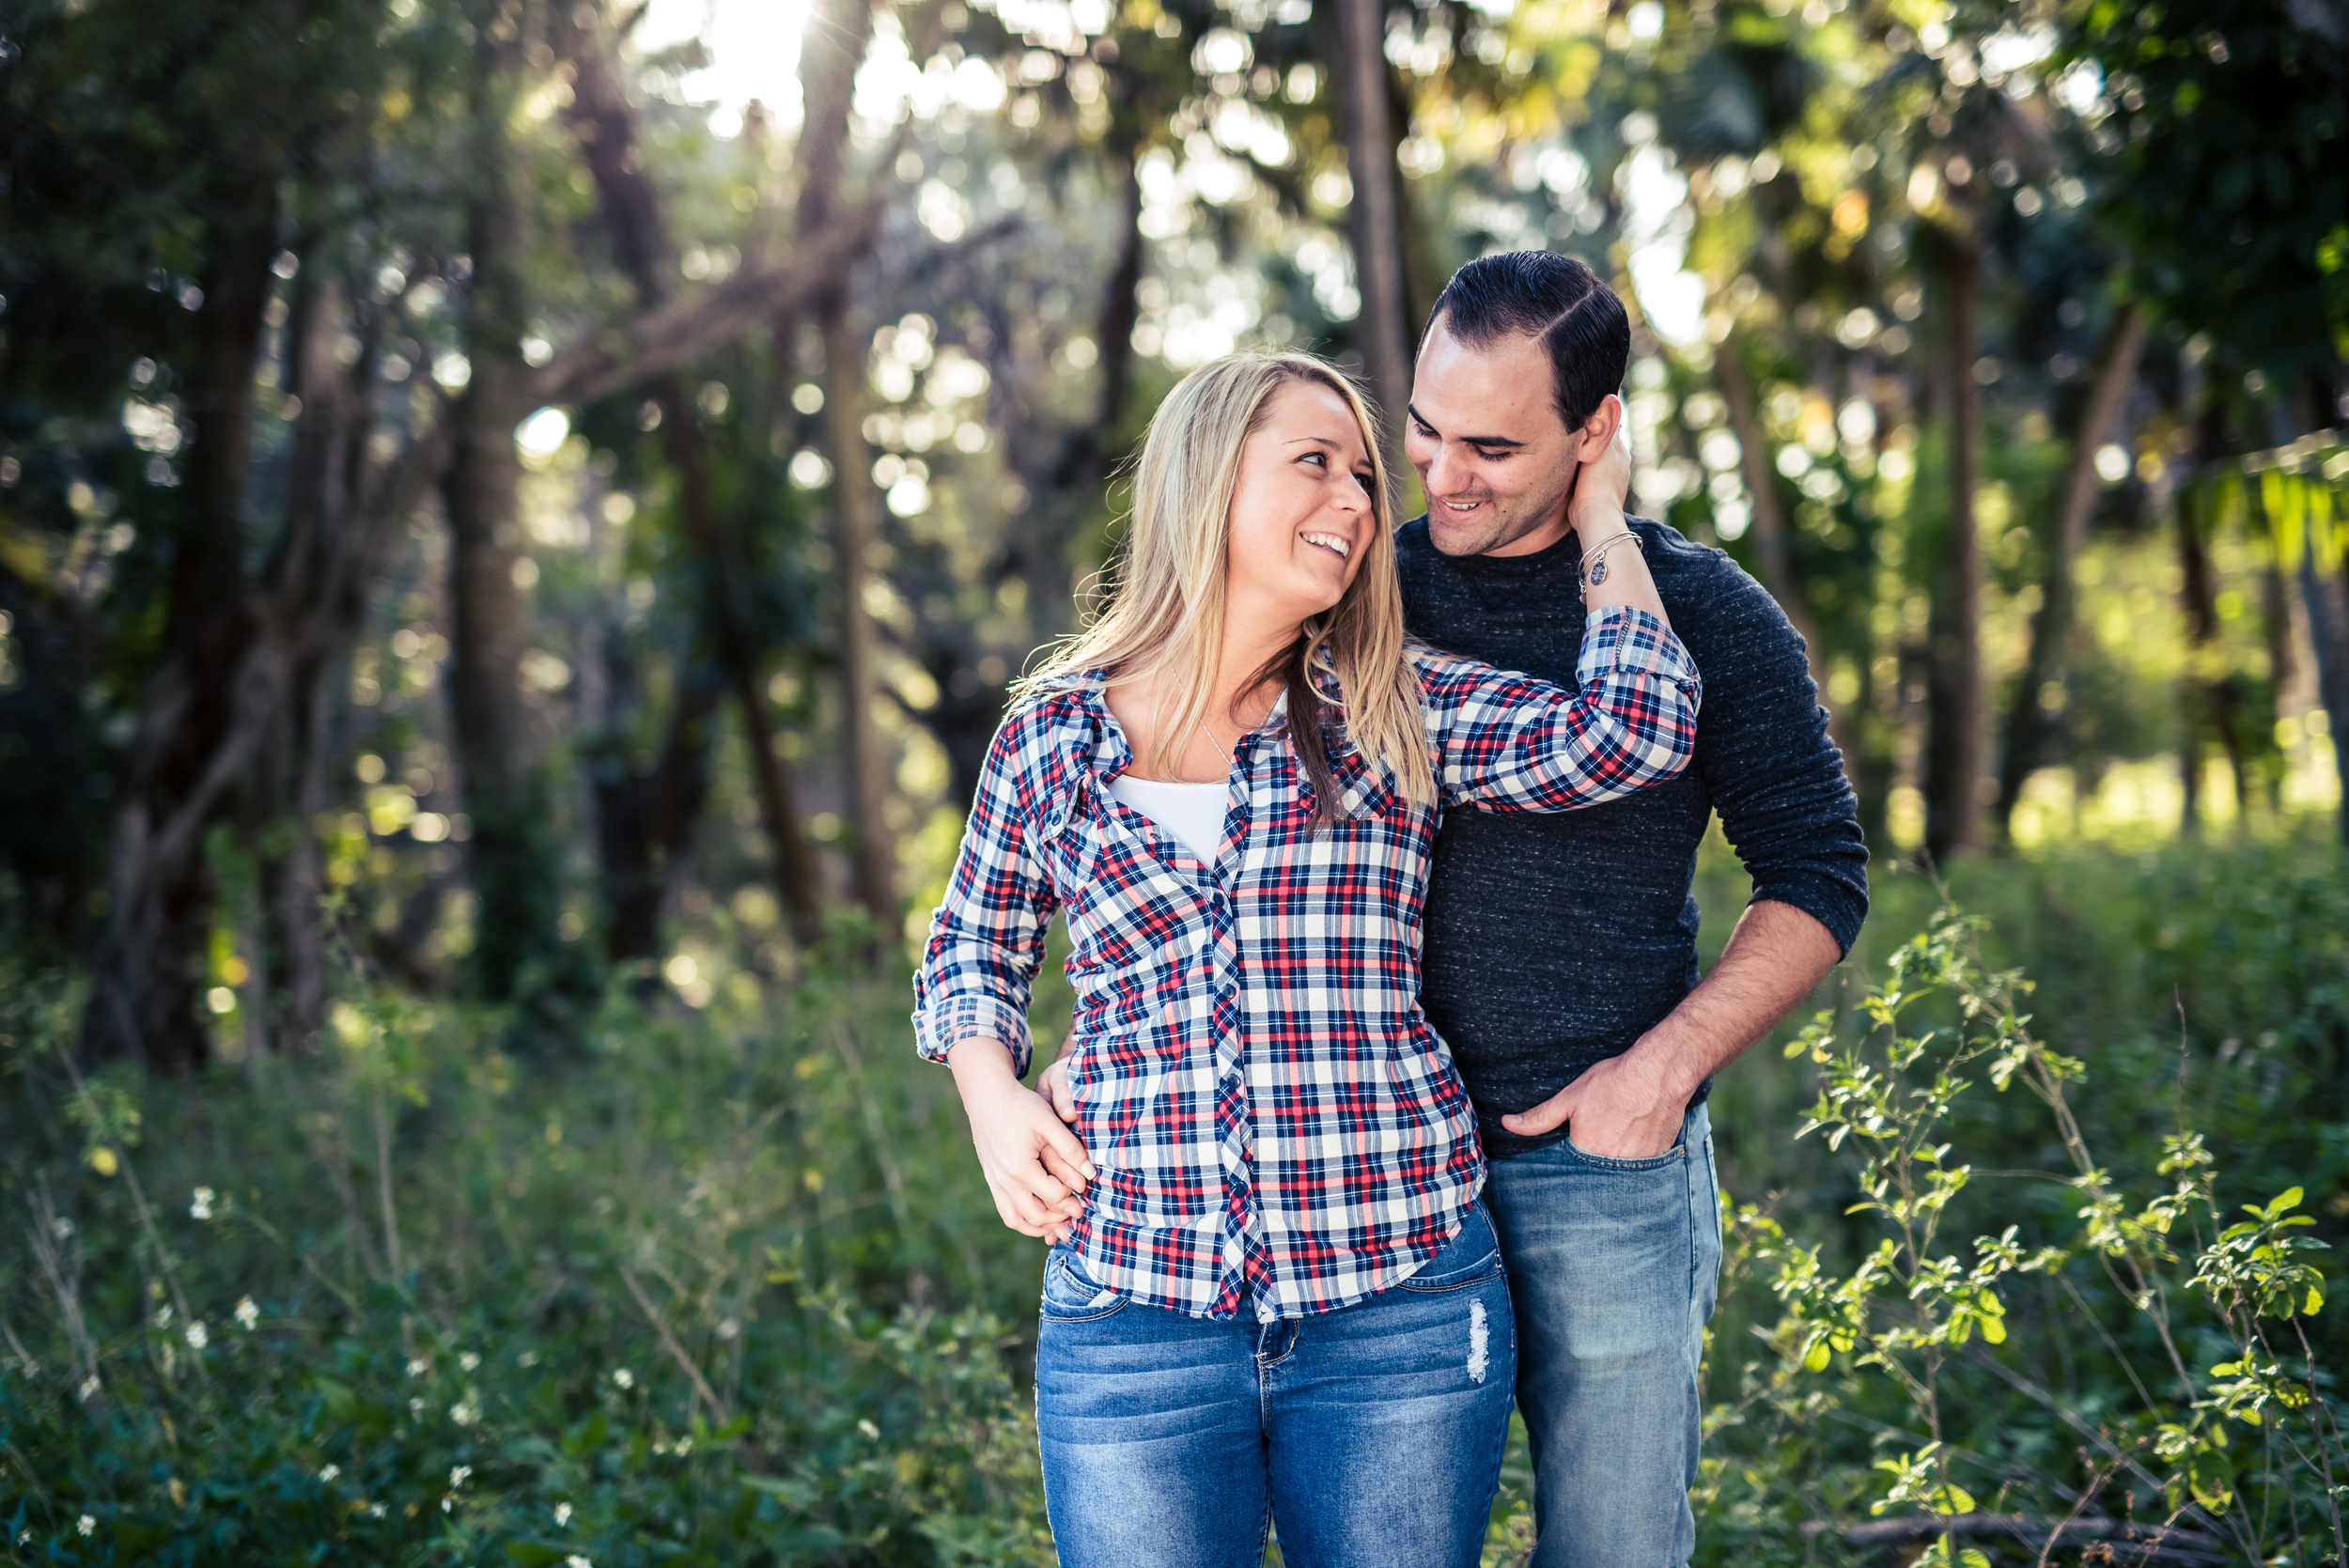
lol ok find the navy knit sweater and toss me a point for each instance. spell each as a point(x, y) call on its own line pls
point(1555, 942)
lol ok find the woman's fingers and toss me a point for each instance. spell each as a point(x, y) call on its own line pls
point(1035, 1168)
point(1053, 1086)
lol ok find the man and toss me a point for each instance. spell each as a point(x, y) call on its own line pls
point(1560, 960)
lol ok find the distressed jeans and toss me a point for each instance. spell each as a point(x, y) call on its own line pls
point(1613, 1265)
point(1371, 1435)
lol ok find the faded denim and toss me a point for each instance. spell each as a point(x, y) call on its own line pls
point(1613, 1265)
point(1371, 1436)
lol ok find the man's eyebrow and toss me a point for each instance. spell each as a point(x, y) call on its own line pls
point(1472, 440)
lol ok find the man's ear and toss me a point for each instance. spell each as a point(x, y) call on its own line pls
point(1598, 431)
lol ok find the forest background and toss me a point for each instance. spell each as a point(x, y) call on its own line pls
point(516, 524)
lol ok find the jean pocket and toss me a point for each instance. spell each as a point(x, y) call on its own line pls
point(1470, 1258)
point(1070, 1294)
point(1676, 1155)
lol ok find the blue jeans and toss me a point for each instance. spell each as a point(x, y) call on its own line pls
point(1373, 1433)
point(1614, 1264)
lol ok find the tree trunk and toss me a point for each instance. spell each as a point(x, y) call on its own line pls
point(606, 128)
point(1955, 717)
point(218, 703)
point(827, 61)
point(2030, 722)
point(159, 890)
point(2210, 699)
point(1372, 224)
point(644, 821)
point(511, 854)
point(873, 850)
point(2326, 595)
point(1770, 535)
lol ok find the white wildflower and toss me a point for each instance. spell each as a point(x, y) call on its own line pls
point(198, 1336)
point(418, 1366)
point(88, 1390)
point(448, 1502)
point(469, 1361)
point(247, 1313)
point(330, 1472)
point(625, 1379)
point(528, 1358)
point(868, 1429)
point(416, 1407)
point(163, 1316)
point(575, 1560)
point(200, 1204)
point(562, 1514)
point(457, 1475)
point(376, 1510)
point(729, 1328)
point(684, 1446)
point(463, 1414)
point(62, 1228)
point(86, 1524)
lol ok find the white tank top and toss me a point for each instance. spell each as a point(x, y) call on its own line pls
point(1193, 813)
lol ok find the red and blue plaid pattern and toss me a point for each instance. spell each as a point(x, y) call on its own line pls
point(1274, 1123)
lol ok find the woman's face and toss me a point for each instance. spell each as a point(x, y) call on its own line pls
point(1303, 511)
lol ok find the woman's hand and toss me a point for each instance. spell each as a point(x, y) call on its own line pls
point(1034, 1166)
point(1600, 489)
point(1596, 511)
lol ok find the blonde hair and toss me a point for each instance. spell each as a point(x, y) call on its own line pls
point(1166, 601)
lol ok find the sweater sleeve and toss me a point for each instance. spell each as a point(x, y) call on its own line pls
point(1765, 758)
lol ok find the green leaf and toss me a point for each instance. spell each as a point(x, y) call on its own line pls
point(535, 1554)
point(2288, 1199)
point(2314, 1301)
point(2212, 1480)
point(1994, 1330)
point(1815, 1358)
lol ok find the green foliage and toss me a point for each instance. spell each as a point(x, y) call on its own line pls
point(699, 1301)
point(2230, 122)
point(2123, 1318)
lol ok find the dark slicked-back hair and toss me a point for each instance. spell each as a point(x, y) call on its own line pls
point(1555, 298)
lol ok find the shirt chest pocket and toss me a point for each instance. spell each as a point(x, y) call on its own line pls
point(1068, 846)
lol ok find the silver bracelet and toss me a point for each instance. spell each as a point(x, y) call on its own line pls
point(1592, 568)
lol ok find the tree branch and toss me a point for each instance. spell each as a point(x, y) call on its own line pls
point(683, 330)
point(2153, 1545)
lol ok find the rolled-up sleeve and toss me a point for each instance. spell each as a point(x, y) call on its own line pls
point(1509, 742)
point(1773, 771)
point(987, 937)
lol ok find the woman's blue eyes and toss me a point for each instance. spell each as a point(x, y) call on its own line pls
point(1361, 477)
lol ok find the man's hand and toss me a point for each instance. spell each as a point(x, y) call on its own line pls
point(1601, 489)
point(1621, 1108)
point(1034, 1166)
point(1630, 1107)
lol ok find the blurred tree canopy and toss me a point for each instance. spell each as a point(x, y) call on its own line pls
point(484, 492)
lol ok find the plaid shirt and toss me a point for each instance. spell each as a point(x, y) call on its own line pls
point(1274, 1123)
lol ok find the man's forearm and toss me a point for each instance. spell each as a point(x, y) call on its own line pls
point(1775, 960)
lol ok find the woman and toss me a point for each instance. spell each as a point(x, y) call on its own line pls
point(1276, 1293)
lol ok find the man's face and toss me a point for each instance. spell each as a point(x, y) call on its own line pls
point(1497, 461)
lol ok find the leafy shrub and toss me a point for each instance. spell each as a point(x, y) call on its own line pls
point(1907, 1380)
point(700, 1301)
